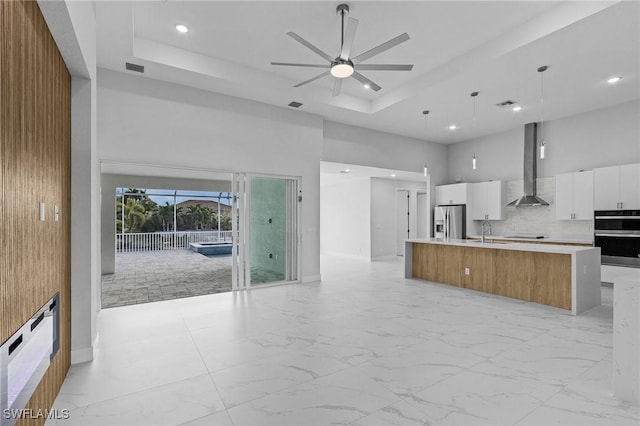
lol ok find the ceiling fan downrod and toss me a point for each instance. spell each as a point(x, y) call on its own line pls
point(342, 10)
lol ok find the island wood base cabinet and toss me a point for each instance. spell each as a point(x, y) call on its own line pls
point(561, 276)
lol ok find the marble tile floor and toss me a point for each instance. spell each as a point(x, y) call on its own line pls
point(363, 347)
point(145, 277)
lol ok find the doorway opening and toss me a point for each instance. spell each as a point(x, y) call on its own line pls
point(173, 233)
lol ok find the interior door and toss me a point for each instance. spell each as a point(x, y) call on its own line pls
point(403, 206)
point(423, 219)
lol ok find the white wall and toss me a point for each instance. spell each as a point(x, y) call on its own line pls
point(598, 138)
point(73, 27)
point(345, 215)
point(141, 120)
point(357, 145)
point(383, 214)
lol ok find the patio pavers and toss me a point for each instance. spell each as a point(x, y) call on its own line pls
point(162, 275)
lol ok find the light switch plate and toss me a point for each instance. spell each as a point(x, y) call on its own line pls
point(56, 213)
point(467, 271)
point(42, 212)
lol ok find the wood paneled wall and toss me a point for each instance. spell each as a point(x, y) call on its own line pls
point(534, 276)
point(35, 132)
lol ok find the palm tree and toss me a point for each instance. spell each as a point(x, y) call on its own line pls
point(134, 216)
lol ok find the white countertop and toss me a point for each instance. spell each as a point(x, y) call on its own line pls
point(559, 238)
point(543, 248)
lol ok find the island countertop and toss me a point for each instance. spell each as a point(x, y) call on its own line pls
point(566, 277)
point(543, 248)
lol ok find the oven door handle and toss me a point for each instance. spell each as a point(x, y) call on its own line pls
point(619, 217)
point(619, 235)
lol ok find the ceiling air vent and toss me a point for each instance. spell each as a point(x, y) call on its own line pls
point(134, 67)
point(295, 104)
point(505, 103)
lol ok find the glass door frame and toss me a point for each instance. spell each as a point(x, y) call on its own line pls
point(241, 230)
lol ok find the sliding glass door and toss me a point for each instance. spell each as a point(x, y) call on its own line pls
point(267, 230)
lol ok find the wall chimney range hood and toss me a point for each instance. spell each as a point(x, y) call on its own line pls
point(530, 199)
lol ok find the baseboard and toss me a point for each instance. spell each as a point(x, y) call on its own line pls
point(79, 356)
point(311, 278)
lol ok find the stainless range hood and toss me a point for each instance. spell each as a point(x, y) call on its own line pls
point(530, 199)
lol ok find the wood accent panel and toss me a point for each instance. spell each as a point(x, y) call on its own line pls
point(533, 276)
point(35, 132)
point(434, 262)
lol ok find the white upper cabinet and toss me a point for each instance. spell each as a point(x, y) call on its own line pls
point(457, 193)
point(617, 187)
point(630, 187)
point(574, 196)
point(487, 200)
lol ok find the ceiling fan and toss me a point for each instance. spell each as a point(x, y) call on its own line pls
point(344, 65)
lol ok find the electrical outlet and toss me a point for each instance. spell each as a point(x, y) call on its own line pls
point(467, 271)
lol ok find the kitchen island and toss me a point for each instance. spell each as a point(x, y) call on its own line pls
point(566, 277)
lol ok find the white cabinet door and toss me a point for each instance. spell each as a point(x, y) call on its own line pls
point(442, 194)
point(487, 200)
point(478, 201)
point(564, 196)
point(459, 193)
point(451, 194)
point(583, 195)
point(495, 200)
point(630, 187)
point(606, 188)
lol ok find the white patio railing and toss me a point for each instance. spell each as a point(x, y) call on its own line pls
point(153, 241)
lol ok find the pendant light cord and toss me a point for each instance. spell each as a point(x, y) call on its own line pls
point(542, 105)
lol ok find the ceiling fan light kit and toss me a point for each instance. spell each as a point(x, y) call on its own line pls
point(344, 65)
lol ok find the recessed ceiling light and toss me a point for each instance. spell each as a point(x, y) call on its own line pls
point(367, 86)
point(453, 127)
point(182, 28)
point(393, 175)
point(517, 108)
point(345, 171)
point(614, 80)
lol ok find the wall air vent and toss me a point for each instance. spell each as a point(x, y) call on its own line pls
point(506, 103)
point(134, 67)
point(295, 104)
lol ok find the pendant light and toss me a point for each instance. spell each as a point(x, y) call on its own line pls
point(425, 170)
point(474, 160)
point(543, 145)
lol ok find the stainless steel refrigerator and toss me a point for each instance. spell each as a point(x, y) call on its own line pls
point(449, 222)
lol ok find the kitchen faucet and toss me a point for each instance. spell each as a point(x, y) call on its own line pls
point(486, 222)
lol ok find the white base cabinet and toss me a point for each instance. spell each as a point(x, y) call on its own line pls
point(574, 196)
point(488, 200)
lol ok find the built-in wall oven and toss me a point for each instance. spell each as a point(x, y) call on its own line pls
point(617, 233)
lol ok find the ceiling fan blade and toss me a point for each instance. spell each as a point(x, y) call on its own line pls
point(383, 67)
point(310, 46)
point(289, 64)
point(349, 35)
point(312, 79)
point(381, 48)
point(364, 80)
point(337, 86)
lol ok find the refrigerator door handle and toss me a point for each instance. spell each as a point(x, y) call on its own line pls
point(446, 224)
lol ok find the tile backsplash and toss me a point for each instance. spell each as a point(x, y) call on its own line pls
point(536, 220)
